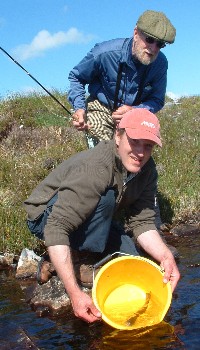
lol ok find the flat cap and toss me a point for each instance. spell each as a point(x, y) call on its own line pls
point(157, 25)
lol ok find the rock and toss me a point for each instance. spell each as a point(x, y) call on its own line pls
point(6, 259)
point(27, 264)
point(47, 299)
point(27, 270)
point(15, 337)
point(185, 230)
point(50, 298)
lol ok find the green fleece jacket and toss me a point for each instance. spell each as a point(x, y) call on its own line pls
point(81, 180)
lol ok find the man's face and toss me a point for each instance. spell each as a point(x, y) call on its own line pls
point(146, 53)
point(133, 153)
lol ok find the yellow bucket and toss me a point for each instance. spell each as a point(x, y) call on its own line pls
point(130, 293)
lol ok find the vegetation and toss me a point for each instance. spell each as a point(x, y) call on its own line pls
point(178, 161)
point(36, 135)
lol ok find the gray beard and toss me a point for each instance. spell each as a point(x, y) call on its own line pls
point(137, 54)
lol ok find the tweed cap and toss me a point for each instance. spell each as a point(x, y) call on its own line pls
point(157, 25)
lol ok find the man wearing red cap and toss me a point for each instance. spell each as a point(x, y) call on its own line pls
point(98, 202)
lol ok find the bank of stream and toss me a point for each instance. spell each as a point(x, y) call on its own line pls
point(21, 328)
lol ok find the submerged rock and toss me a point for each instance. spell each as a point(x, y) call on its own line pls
point(15, 337)
point(185, 230)
point(50, 298)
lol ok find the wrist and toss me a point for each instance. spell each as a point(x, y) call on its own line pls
point(73, 290)
point(127, 108)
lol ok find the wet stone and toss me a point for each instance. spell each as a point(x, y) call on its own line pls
point(27, 264)
point(50, 298)
point(185, 230)
point(27, 270)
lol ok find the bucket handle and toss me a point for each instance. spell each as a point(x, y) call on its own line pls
point(104, 260)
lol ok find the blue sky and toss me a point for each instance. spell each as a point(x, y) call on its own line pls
point(49, 37)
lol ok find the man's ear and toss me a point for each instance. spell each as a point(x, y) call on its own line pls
point(135, 32)
point(117, 137)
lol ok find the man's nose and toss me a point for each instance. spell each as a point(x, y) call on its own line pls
point(140, 150)
point(154, 48)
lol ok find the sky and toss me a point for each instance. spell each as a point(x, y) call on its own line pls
point(49, 37)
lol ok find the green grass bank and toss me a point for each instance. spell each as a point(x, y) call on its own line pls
point(36, 135)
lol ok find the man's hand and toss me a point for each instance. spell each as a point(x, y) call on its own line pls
point(79, 120)
point(171, 272)
point(153, 244)
point(82, 303)
point(84, 307)
point(118, 114)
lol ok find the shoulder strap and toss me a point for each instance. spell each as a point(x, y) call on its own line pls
point(119, 77)
point(140, 88)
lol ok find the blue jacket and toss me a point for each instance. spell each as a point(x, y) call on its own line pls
point(98, 69)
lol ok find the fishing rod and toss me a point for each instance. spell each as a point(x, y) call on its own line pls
point(48, 92)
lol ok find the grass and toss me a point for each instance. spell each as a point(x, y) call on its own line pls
point(36, 135)
point(178, 161)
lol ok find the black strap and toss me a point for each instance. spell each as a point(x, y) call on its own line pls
point(140, 89)
point(119, 77)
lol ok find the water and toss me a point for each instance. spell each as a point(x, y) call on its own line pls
point(21, 329)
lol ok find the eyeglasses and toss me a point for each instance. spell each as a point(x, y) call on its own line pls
point(160, 44)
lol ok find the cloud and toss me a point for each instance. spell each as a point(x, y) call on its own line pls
point(177, 97)
point(44, 41)
point(173, 96)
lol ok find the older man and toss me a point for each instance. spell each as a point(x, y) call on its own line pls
point(121, 74)
point(98, 202)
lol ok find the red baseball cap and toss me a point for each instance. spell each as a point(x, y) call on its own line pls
point(139, 123)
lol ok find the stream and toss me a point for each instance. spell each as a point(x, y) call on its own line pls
point(21, 328)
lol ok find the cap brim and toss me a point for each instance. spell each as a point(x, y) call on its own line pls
point(143, 134)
